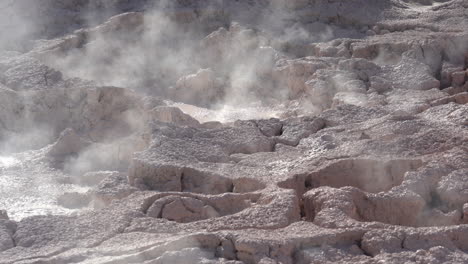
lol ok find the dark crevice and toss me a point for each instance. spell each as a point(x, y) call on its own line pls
point(302, 209)
point(182, 182)
point(359, 244)
point(231, 188)
point(423, 53)
point(308, 184)
point(437, 202)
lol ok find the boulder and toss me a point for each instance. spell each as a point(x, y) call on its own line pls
point(200, 88)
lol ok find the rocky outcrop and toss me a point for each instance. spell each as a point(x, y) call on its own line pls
point(201, 88)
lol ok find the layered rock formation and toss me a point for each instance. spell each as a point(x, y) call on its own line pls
point(360, 154)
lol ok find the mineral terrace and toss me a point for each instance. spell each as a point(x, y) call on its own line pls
point(247, 131)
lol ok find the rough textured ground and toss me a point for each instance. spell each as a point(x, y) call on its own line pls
point(302, 131)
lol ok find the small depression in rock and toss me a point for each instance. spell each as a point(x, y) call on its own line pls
point(370, 175)
point(190, 208)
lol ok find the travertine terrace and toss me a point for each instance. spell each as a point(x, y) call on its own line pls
point(248, 131)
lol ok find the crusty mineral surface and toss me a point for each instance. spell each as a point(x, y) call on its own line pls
point(286, 131)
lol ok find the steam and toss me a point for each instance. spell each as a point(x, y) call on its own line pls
point(114, 155)
point(154, 51)
point(24, 21)
point(14, 29)
point(33, 138)
point(6, 162)
point(146, 57)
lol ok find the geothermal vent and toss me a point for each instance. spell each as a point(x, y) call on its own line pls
point(235, 132)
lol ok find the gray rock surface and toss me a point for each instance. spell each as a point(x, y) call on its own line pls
point(114, 144)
